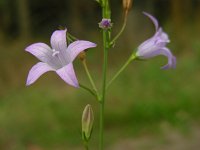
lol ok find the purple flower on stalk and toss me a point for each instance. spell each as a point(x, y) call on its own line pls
point(105, 24)
point(156, 45)
point(59, 58)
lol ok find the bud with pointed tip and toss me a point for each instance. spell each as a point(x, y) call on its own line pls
point(87, 122)
point(127, 4)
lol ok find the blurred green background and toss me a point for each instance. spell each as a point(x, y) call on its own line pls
point(146, 108)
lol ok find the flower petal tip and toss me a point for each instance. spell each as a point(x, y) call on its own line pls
point(29, 48)
point(170, 66)
point(145, 13)
point(153, 19)
point(174, 62)
point(77, 86)
point(94, 45)
point(28, 82)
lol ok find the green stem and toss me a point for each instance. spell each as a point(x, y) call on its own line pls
point(101, 127)
point(89, 90)
point(86, 146)
point(120, 32)
point(89, 76)
point(102, 102)
point(106, 40)
point(72, 37)
point(121, 69)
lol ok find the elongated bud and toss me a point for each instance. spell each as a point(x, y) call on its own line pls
point(127, 4)
point(82, 56)
point(87, 122)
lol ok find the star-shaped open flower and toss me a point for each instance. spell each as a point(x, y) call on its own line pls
point(59, 58)
point(156, 45)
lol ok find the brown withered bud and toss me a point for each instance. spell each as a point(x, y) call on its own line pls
point(82, 56)
point(127, 4)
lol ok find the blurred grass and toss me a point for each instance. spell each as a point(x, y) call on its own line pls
point(143, 99)
point(48, 113)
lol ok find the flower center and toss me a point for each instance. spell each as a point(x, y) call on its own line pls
point(55, 53)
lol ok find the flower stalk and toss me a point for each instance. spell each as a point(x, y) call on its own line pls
point(90, 78)
point(133, 57)
point(127, 4)
point(88, 89)
point(106, 39)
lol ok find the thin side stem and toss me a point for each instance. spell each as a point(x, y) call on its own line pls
point(88, 89)
point(121, 69)
point(89, 76)
point(121, 31)
point(72, 37)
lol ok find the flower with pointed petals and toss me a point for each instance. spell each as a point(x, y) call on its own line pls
point(156, 45)
point(59, 58)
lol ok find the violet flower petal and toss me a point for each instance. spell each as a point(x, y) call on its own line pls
point(40, 50)
point(36, 71)
point(59, 44)
point(68, 75)
point(78, 46)
point(44, 53)
point(153, 19)
point(171, 59)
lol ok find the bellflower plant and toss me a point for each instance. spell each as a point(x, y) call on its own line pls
point(59, 58)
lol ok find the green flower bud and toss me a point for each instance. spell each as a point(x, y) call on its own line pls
point(87, 122)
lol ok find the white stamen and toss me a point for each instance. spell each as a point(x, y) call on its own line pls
point(55, 53)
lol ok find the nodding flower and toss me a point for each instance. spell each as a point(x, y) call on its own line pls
point(156, 45)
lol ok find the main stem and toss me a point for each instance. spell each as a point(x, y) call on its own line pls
point(102, 102)
point(106, 40)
